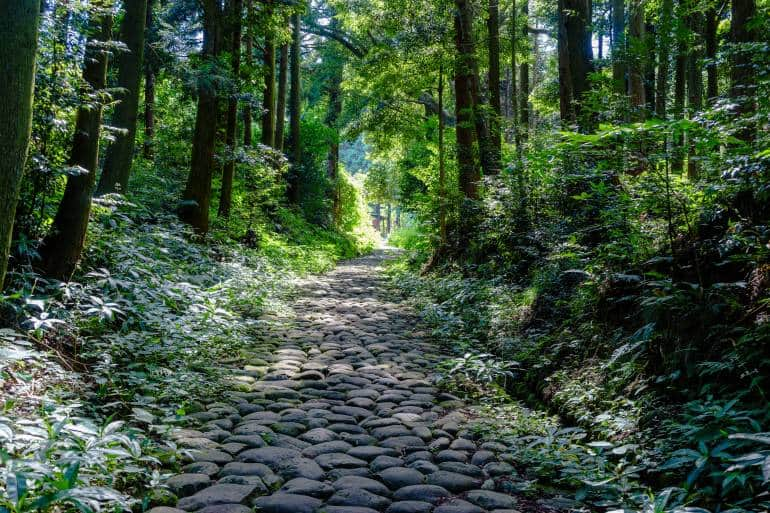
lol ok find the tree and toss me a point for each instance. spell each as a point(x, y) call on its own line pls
point(742, 80)
point(280, 109)
point(120, 154)
point(61, 249)
point(694, 84)
point(619, 45)
point(523, 102)
point(636, 65)
point(18, 47)
point(235, 11)
point(196, 198)
point(249, 51)
point(268, 96)
point(149, 83)
point(574, 51)
point(295, 106)
point(664, 43)
point(468, 171)
point(493, 37)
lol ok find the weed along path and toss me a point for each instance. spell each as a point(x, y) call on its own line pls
point(339, 414)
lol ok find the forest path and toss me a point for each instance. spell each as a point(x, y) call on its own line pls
point(340, 414)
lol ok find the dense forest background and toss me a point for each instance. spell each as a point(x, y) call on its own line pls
point(581, 187)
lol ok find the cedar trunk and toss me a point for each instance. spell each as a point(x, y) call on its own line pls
point(742, 75)
point(228, 171)
point(149, 84)
point(636, 89)
point(120, 154)
point(493, 28)
point(62, 247)
point(664, 42)
point(249, 51)
point(468, 171)
point(295, 107)
point(619, 45)
point(18, 47)
point(280, 110)
point(196, 198)
point(268, 97)
point(524, 82)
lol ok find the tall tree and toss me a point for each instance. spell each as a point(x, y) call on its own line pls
point(333, 113)
point(575, 61)
point(619, 45)
point(249, 57)
point(149, 83)
point(295, 106)
point(235, 12)
point(663, 45)
point(742, 79)
point(442, 215)
point(493, 77)
point(490, 159)
point(196, 198)
point(636, 64)
point(62, 247)
point(268, 96)
point(280, 108)
point(120, 154)
point(468, 171)
point(524, 79)
point(18, 47)
point(712, 78)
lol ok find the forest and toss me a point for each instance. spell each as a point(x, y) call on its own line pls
point(398, 256)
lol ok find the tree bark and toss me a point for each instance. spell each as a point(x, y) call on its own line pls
point(280, 110)
point(61, 249)
point(619, 45)
point(295, 107)
point(649, 66)
point(468, 171)
point(514, 92)
point(441, 161)
point(664, 42)
point(332, 118)
point(636, 90)
point(694, 87)
point(149, 85)
point(196, 198)
point(566, 94)
point(249, 51)
point(490, 159)
point(574, 57)
point(120, 154)
point(228, 171)
point(524, 82)
point(712, 80)
point(18, 49)
point(493, 34)
point(268, 98)
point(742, 75)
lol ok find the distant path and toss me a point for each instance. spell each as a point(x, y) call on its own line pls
point(339, 415)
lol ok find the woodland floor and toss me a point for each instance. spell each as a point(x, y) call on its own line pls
point(338, 412)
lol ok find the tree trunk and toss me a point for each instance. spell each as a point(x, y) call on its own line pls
point(712, 80)
point(468, 171)
point(649, 67)
point(149, 84)
point(389, 219)
point(664, 42)
point(619, 45)
point(280, 110)
point(566, 93)
point(490, 159)
point(120, 154)
point(228, 171)
point(196, 198)
point(295, 107)
point(742, 74)
point(441, 161)
point(332, 118)
point(636, 90)
point(62, 247)
point(249, 51)
point(268, 98)
point(524, 82)
point(694, 88)
point(493, 28)
point(514, 92)
point(18, 34)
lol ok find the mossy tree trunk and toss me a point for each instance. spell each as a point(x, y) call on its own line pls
point(18, 47)
point(63, 246)
point(295, 107)
point(120, 154)
point(196, 198)
point(280, 108)
point(235, 12)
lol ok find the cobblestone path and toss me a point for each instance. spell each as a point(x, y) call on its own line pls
point(339, 414)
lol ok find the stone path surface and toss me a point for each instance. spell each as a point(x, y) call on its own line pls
point(340, 414)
